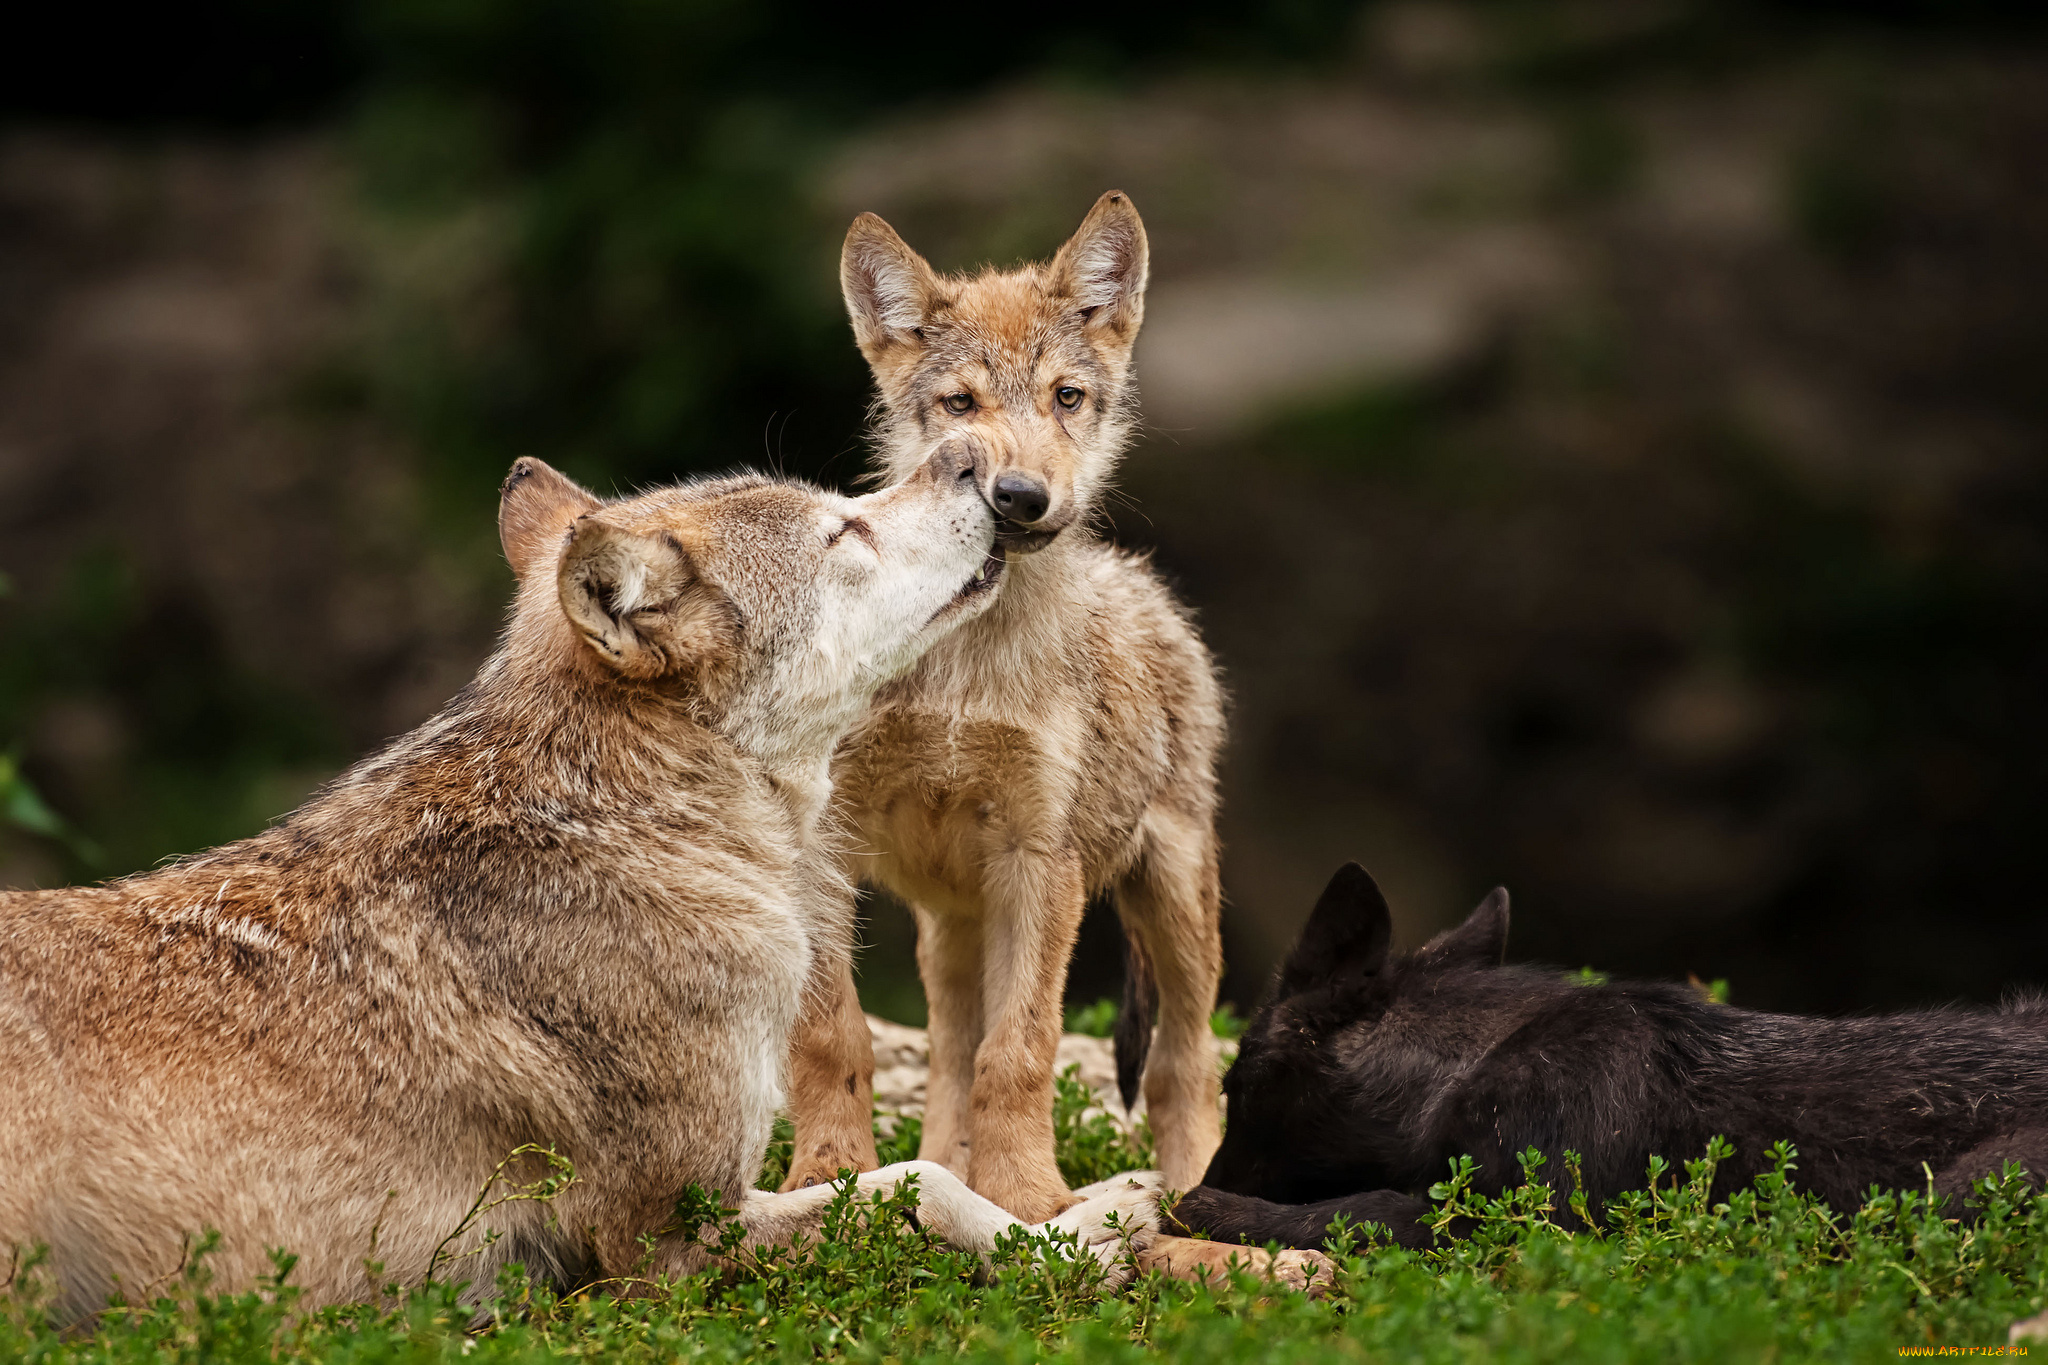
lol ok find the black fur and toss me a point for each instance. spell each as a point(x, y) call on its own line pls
point(1364, 1075)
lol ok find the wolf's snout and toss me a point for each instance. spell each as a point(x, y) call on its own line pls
point(955, 462)
point(1021, 498)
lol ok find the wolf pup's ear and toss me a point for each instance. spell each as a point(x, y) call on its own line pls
point(1481, 941)
point(535, 506)
point(1346, 935)
point(639, 603)
point(1104, 266)
point(890, 290)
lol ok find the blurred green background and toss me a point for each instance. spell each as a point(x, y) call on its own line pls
point(1604, 441)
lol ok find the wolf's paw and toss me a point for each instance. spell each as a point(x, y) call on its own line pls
point(1133, 1197)
point(1112, 1215)
point(1198, 1259)
point(1119, 1184)
point(1309, 1271)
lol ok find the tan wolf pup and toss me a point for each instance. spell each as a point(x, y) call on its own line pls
point(1060, 745)
point(577, 908)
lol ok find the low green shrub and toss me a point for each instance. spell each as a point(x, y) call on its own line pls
point(1674, 1276)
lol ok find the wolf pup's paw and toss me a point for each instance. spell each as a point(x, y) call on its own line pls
point(822, 1170)
point(821, 1156)
point(1030, 1196)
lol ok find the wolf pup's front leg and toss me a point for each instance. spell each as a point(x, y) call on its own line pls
point(1033, 908)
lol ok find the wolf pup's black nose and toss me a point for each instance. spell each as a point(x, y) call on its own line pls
point(1021, 498)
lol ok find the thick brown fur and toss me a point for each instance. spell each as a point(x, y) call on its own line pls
point(1060, 746)
point(576, 908)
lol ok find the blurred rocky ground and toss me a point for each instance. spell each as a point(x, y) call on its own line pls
point(903, 1068)
point(1609, 465)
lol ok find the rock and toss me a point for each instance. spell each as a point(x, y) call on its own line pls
point(903, 1066)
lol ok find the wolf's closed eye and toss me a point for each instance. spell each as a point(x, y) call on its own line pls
point(856, 527)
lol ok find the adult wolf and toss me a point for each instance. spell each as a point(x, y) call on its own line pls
point(574, 909)
point(1061, 745)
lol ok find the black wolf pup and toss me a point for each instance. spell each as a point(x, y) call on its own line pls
point(1365, 1074)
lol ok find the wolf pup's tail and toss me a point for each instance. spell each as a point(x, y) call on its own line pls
point(1134, 1019)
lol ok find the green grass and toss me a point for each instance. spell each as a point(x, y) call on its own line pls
point(1767, 1274)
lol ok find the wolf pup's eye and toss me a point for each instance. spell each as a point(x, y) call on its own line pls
point(958, 402)
point(1069, 396)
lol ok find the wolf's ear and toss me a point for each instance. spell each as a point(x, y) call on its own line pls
point(1104, 266)
point(1481, 941)
point(889, 289)
point(638, 602)
point(535, 506)
point(1346, 935)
